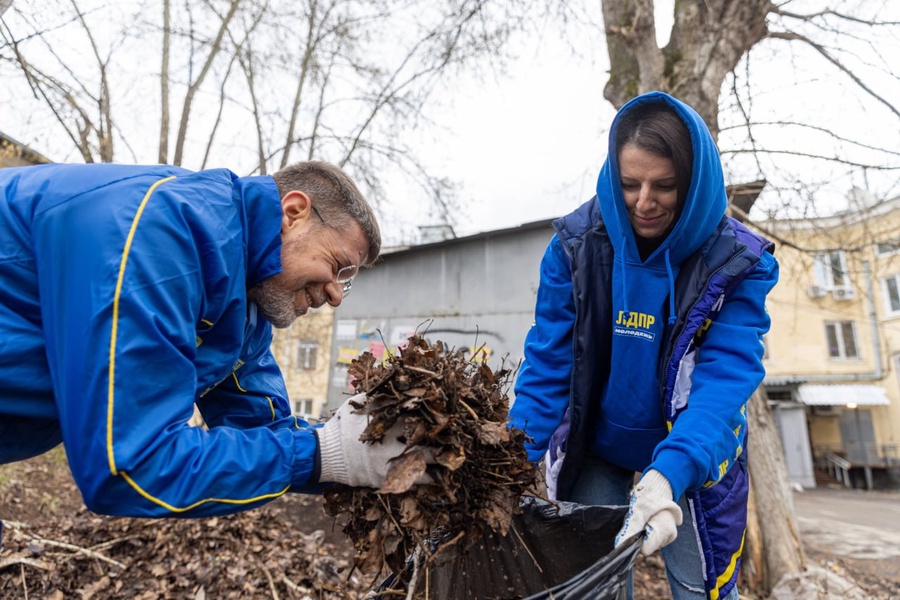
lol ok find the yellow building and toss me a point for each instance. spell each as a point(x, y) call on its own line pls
point(303, 351)
point(16, 154)
point(833, 352)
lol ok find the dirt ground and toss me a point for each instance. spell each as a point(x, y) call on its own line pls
point(55, 548)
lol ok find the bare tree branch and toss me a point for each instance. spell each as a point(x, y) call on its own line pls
point(164, 84)
point(833, 159)
point(218, 119)
point(246, 60)
point(215, 46)
point(834, 61)
point(811, 127)
point(829, 12)
point(104, 133)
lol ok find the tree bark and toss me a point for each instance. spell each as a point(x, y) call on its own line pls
point(772, 549)
point(164, 85)
point(708, 39)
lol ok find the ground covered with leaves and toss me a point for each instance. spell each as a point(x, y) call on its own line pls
point(289, 549)
point(54, 548)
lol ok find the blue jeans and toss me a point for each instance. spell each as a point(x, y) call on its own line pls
point(601, 483)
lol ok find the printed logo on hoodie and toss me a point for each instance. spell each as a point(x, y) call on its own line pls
point(635, 324)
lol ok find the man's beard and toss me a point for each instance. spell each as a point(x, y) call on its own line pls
point(275, 304)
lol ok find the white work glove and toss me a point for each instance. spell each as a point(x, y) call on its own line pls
point(345, 459)
point(653, 508)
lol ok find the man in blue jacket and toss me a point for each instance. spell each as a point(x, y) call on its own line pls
point(132, 293)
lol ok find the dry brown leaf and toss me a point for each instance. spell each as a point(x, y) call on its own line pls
point(451, 457)
point(404, 472)
point(493, 433)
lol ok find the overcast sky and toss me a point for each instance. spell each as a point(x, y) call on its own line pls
point(528, 144)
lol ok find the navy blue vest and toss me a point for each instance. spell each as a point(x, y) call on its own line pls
point(717, 267)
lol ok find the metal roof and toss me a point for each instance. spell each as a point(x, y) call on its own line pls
point(835, 395)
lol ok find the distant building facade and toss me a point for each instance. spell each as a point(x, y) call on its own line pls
point(16, 154)
point(833, 353)
point(303, 353)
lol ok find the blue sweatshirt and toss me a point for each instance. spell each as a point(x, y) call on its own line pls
point(631, 429)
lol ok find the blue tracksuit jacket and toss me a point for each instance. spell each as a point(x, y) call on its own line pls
point(649, 364)
point(123, 304)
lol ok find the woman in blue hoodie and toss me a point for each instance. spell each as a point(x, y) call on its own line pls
point(647, 346)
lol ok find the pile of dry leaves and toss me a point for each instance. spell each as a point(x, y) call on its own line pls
point(452, 409)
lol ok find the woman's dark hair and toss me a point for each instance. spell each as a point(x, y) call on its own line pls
point(657, 129)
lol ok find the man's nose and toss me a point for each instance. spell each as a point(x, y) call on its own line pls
point(334, 293)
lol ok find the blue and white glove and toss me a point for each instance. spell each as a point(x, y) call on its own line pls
point(652, 510)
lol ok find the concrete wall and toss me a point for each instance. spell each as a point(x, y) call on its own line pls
point(465, 292)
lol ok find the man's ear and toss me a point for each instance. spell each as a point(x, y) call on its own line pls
point(296, 209)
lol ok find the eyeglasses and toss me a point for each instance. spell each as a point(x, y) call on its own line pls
point(344, 275)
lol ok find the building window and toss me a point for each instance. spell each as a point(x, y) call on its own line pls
point(306, 355)
point(303, 407)
point(892, 294)
point(841, 338)
point(887, 247)
point(830, 269)
point(779, 395)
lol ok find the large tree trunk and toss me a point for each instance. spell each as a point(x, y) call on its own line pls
point(708, 39)
point(772, 549)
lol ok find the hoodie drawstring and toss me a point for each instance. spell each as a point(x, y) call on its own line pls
point(672, 316)
point(624, 280)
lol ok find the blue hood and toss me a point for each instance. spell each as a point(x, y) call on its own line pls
point(705, 202)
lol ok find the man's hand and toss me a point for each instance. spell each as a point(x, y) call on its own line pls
point(345, 459)
point(652, 507)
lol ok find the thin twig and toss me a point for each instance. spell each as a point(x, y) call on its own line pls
point(527, 549)
point(291, 586)
point(269, 577)
point(24, 583)
point(446, 545)
point(469, 408)
point(112, 542)
point(412, 580)
point(21, 560)
point(75, 548)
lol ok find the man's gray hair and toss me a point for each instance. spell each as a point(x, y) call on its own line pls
point(335, 196)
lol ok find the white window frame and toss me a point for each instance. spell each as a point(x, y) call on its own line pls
point(893, 248)
point(824, 273)
point(303, 407)
point(307, 355)
point(891, 308)
point(838, 327)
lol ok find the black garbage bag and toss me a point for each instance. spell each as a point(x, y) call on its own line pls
point(558, 551)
